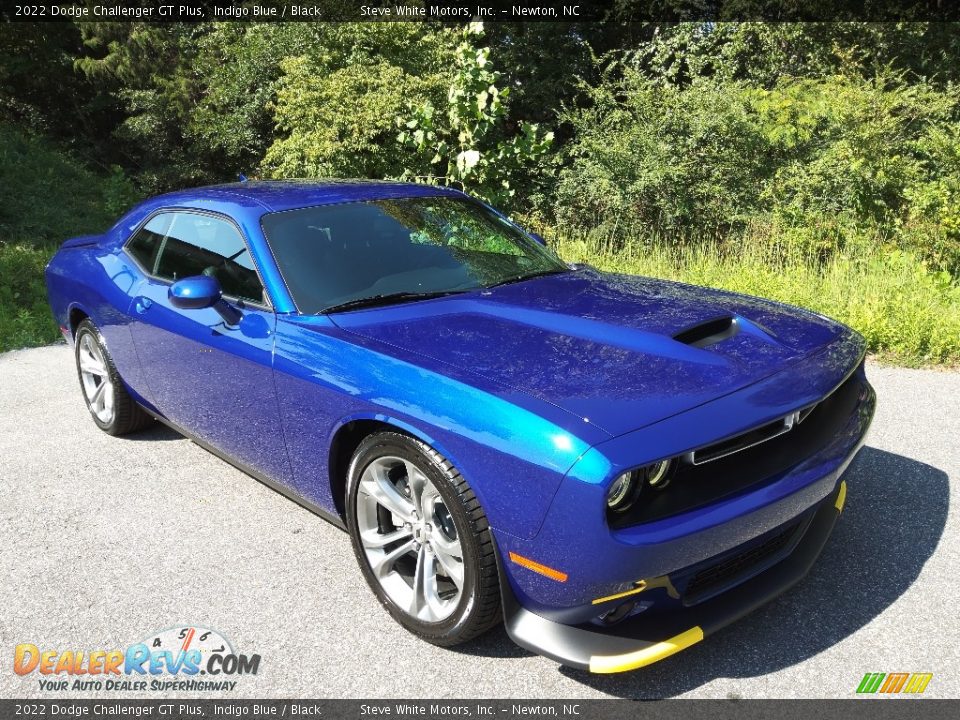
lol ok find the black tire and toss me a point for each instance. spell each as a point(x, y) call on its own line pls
point(478, 609)
point(127, 415)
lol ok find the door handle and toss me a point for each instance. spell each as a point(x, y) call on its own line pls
point(142, 304)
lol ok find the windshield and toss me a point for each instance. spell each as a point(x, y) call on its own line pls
point(395, 250)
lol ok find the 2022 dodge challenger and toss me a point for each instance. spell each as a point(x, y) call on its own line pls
point(614, 466)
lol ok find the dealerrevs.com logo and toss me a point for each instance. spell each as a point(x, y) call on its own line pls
point(169, 660)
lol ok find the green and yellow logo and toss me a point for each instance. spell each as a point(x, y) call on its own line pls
point(913, 683)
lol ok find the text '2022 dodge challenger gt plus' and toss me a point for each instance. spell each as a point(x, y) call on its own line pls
point(613, 466)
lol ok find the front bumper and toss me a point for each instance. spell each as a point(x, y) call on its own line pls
point(645, 639)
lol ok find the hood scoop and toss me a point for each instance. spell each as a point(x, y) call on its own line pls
point(709, 333)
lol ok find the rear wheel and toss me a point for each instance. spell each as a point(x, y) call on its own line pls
point(109, 403)
point(422, 540)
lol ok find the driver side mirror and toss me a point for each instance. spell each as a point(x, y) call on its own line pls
point(195, 293)
point(200, 292)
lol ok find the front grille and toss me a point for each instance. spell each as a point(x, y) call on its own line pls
point(741, 442)
point(718, 577)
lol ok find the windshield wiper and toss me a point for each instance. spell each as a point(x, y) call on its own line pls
point(518, 278)
point(388, 299)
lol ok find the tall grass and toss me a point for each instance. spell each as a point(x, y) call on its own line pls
point(908, 313)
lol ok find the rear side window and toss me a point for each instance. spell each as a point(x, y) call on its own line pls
point(183, 244)
point(145, 245)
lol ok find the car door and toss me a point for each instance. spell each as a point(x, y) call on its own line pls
point(213, 380)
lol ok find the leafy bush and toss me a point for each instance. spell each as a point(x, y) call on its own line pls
point(25, 318)
point(340, 124)
point(653, 157)
point(337, 99)
point(49, 196)
point(832, 160)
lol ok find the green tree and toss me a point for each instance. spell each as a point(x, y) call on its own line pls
point(818, 163)
point(41, 92)
point(148, 69)
point(762, 52)
point(467, 143)
point(336, 99)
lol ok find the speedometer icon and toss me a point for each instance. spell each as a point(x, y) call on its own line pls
point(184, 638)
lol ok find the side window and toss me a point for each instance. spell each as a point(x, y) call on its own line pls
point(145, 245)
point(204, 245)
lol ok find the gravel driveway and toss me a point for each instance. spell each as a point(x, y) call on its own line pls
point(105, 540)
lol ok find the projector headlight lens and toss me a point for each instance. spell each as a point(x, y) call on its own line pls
point(627, 487)
point(658, 474)
point(622, 492)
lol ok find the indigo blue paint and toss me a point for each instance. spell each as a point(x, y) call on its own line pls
point(514, 458)
point(194, 293)
point(213, 379)
point(603, 562)
point(541, 392)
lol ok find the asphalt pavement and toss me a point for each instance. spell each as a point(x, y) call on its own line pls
point(104, 541)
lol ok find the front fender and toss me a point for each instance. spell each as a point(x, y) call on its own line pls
point(513, 455)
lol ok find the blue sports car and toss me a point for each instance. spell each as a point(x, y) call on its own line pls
point(613, 466)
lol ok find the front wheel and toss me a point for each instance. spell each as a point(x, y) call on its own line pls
point(422, 540)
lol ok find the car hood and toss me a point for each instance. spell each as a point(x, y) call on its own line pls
point(618, 351)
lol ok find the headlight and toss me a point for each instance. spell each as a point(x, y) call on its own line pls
point(658, 474)
point(623, 491)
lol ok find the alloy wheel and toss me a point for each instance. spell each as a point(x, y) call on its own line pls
point(95, 378)
point(409, 539)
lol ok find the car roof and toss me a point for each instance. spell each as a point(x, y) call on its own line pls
point(280, 195)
